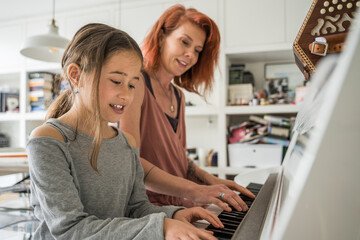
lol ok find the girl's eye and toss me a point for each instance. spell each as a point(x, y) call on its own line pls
point(131, 86)
point(116, 82)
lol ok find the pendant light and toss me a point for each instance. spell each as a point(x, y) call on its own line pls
point(46, 47)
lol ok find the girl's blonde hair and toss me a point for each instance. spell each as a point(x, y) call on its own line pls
point(91, 46)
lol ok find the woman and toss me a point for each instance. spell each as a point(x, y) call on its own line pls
point(86, 177)
point(182, 46)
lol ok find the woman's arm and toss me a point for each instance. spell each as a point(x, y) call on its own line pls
point(162, 182)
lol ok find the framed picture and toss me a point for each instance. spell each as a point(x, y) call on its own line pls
point(10, 102)
point(288, 71)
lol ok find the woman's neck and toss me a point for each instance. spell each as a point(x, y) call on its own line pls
point(164, 77)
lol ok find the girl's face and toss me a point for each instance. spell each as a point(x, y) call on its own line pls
point(181, 48)
point(120, 75)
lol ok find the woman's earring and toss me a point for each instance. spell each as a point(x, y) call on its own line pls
point(76, 91)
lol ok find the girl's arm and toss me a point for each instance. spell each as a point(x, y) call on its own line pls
point(57, 203)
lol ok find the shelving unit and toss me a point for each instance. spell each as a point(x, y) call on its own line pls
point(236, 50)
point(18, 126)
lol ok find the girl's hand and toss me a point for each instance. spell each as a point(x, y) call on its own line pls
point(174, 229)
point(193, 214)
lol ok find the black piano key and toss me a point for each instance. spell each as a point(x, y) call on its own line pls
point(225, 220)
point(254, 185)
point(246, 198)
point(235, 214)
point(221, 234)
point(232, 219)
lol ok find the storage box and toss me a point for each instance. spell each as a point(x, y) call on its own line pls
point(257, 155)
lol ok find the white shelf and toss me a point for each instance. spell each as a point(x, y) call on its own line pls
point(265, 53)
point(35, 116)
point(4, 117)
point(245, 110)
point(201, 111)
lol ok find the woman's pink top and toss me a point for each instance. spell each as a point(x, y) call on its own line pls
point(161, 145)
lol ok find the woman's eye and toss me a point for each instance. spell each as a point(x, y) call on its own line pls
point(131, 86)
point(116, 82)
point(185, 42)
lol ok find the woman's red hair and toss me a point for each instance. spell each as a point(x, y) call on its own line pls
point(200, 77)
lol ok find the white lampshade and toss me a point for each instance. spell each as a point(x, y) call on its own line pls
point(46, 47)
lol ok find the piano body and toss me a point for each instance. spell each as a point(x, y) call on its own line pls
point(315, 194)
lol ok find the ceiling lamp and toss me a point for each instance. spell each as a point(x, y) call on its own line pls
point(46, 47)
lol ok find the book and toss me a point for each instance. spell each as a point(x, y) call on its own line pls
point(279, 121)
point(38, 108)
point(246, 129)
point(41, 93)
point(279, 131)
point(43, 75)
point(237, 134)
point(46, 84)
point(257, 119)
point(272, 140)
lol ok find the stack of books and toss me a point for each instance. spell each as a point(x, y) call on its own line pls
point(267, 129)
point(40, 90)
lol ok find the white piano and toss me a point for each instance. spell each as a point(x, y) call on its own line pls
point(315, 194)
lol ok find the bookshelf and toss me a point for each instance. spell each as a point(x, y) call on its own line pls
point(18, 125)
point(255, 53)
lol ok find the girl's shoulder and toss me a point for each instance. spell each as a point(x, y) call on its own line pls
point(46, 131)
point(131, 140)
point(53, 128)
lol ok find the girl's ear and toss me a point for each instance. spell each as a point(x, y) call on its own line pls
point(73, 72)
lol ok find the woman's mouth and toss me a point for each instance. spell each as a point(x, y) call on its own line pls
point(182, 63)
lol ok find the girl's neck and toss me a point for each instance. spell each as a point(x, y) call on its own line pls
point(85, 122)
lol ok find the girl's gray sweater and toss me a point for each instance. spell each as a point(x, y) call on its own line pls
point(72, 201)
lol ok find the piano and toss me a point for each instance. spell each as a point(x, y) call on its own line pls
point(315, 193)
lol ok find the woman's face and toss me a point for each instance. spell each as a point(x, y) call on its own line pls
point(181, 48)
point(120, 74)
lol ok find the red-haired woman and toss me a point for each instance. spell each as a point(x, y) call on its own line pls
point(182, 47)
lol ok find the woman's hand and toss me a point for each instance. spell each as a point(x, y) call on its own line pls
point(193, 214)
point(174, 229)
point(220, 192)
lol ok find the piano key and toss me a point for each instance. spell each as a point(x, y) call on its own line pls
point(221, 234)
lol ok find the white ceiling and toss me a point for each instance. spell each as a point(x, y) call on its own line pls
point(15, 9)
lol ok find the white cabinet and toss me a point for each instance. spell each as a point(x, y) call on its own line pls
point(9, 48)
point(295, 13)
point(253, 22)
point(262, 22)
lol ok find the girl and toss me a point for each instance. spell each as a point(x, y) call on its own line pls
point(182, 46)
point(86, 178)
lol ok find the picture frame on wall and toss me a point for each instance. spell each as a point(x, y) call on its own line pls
point(287, 71)
point(10, 102)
